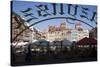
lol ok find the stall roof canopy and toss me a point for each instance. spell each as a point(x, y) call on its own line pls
point(87, 41)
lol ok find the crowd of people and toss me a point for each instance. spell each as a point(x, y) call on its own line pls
point(32, 52)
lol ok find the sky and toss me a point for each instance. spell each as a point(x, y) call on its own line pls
point(18, 6)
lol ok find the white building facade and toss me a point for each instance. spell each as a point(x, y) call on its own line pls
point(62, 32)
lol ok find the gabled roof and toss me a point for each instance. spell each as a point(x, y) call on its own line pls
point(87, 41)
